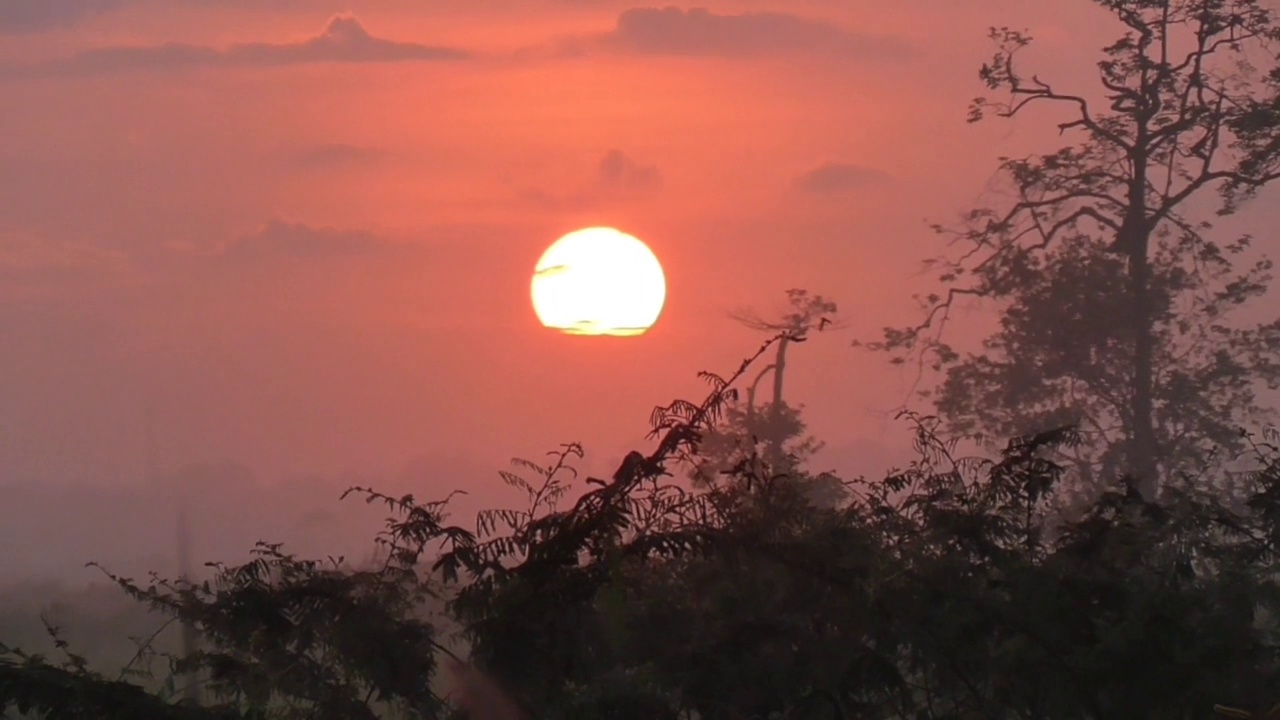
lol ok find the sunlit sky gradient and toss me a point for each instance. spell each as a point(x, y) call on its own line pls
point(299, 234)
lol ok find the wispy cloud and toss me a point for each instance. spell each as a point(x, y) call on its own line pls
point(22, 16)
point(702, 32)
point(617, 176)
point(283, 240)
point(28, 261)
point(619, 173)
point(332, 155)
point(343, 40)
point(834, 178)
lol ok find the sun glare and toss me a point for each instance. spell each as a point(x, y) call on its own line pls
point(599, 281)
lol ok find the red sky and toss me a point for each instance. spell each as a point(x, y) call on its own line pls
point(302, 236)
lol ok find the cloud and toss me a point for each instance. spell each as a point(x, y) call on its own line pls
point(288, 241)
point(343, 40)
point(618, 173)
point(332, 155)
point(27, 261)
point(22, 16)
point(697, 31)
point(833, 178)
point(617, 177)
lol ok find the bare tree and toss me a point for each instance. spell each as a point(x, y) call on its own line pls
point(806, 313)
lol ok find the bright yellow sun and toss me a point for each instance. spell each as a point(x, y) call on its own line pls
point(599, 281)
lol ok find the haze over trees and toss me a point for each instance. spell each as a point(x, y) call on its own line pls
point(1116, 294)
point(946, 590)
point(706, 579)
point(773, 428)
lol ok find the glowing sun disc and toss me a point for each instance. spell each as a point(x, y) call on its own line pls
point(598, 281)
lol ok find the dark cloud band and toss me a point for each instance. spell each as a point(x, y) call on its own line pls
point(673, 31)
point(343, 40)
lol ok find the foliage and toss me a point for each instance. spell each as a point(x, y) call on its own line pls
point(773, 429)
point(1116, 302)
point(1059, 356)
point(950, 589)
point(284, 638)
point(741, 433)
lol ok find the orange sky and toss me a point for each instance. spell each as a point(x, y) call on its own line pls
point(303, 236)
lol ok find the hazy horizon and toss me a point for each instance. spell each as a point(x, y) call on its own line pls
point(298, 240)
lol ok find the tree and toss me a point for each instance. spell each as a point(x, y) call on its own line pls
point(807, 313)
point(774, 429)
point(938, 593)
point(1116, 301)
point(737, 437)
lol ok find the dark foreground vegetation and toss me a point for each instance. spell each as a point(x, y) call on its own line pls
point(957, 588)
point(1115, 560)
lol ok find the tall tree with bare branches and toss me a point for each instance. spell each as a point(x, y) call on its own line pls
point(1115, 296)
point(772, 429)
point(807, 313)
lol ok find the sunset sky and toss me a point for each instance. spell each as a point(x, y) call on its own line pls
point(298, 235)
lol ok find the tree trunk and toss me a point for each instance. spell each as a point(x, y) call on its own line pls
point(775, 439)
point(1142, 457)
point(751, 395)
point(1142, 436)
point(189, 639)
point(779, 366)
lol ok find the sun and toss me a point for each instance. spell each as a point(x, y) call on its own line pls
point(599, 281)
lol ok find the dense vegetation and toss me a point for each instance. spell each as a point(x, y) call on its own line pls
point(952, 589)
point(1115, 559)
point(1119, 302)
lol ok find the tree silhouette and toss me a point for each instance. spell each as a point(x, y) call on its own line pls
point(806, 313)
point(1184, 111)
point(946, 590)
point(738, 436)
